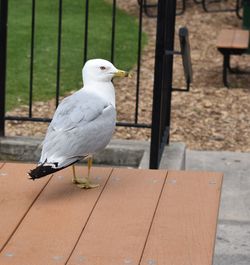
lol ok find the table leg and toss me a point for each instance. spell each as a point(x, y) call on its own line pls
point(226, 60)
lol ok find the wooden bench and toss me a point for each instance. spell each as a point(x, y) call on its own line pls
point(231, 42)
point(147, 217)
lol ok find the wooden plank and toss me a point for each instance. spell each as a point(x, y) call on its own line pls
point(17, 193)
point(53, 225)
point(225, 38)
point(183, 231)
point(241, 39)
point(117, 230)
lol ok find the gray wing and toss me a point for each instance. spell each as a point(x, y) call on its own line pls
point(82, 125)
point(79, 107)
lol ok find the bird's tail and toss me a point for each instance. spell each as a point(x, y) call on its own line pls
point(46, 169)
point(42, 171)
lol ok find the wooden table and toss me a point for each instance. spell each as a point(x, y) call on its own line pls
point(231, 42)
point(149, 217)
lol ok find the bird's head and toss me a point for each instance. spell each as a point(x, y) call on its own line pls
point(101, 70)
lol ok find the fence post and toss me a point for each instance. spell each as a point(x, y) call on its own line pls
point(246, 14)
point(3, 52)
point(162, 80)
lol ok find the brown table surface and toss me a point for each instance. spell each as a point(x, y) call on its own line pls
point(149, 217)
point(233, 39)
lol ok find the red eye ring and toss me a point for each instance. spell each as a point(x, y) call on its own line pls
point(102, 67)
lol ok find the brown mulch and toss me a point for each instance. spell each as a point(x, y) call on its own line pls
point(209, 117)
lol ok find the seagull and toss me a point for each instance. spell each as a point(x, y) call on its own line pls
point(83, 123)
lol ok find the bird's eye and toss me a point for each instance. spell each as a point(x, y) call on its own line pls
point(102, 67)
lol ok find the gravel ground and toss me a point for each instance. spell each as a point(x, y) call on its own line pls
point(209, 117)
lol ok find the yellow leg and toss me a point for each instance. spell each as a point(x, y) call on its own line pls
point(84, 183)
point(90, 162)
point(74, 180)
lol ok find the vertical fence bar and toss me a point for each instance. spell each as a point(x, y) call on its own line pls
point(59, 43)
point(157, 93)
point(33, 20)
point(168, 75)
point(3, 59)
point(85, 51)
point(138, 61)
point(246, 14)
point(112, 59)
point(162, 80)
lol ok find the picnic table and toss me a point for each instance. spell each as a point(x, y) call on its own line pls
point(151, 217)
point(231, 42)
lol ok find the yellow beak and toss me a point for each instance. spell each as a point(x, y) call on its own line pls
point(121, 73)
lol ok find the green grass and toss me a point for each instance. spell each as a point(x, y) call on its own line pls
point(45, 53)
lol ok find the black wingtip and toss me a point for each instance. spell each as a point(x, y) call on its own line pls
point(29, 175)
point(42, 171)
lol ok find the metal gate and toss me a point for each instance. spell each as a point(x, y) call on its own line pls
point(164, 51)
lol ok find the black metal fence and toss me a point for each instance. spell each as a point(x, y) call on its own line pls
point(4, 13)
point(163, 80)
point(215, 6)
point(3, 49)
point(161, 113)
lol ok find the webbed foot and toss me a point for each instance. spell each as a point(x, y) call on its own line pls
point(84, 183)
